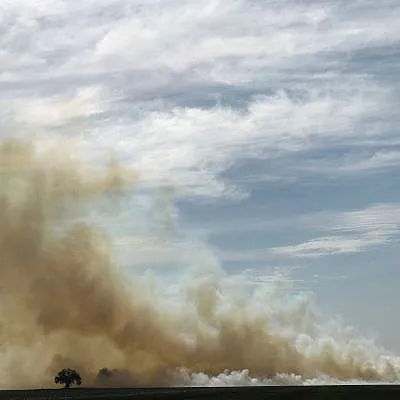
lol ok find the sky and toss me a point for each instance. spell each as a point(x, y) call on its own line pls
point(266, 133)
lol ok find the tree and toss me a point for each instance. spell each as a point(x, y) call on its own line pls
point(67, 377)
point(114, 378)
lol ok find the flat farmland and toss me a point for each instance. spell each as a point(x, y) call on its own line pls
point(223, 393)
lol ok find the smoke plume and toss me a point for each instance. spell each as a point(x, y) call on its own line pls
point(64, 304)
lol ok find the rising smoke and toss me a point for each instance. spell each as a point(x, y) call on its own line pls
point(64, 304)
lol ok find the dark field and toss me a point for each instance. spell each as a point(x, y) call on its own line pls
point(228, 393)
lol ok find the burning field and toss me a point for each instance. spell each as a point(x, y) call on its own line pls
point(64, 302)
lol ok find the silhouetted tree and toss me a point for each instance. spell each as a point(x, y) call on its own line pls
point(67, 377)
point(114, 378)
point(105, 372)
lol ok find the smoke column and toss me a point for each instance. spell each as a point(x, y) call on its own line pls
point(64, 303)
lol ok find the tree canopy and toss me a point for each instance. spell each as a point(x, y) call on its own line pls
point(68, 377)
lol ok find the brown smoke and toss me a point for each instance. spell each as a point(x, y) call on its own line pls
point(64, 305)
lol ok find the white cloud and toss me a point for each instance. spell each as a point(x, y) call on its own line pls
point(378, 218)
point(349, 232)
point(192, 146)
point(328, 245)
point(179, 35)
point(62, 61)
point(57, 110)
point(374, 161)
point(354, 162)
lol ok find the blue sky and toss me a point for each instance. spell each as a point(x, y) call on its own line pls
point(266, 132)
